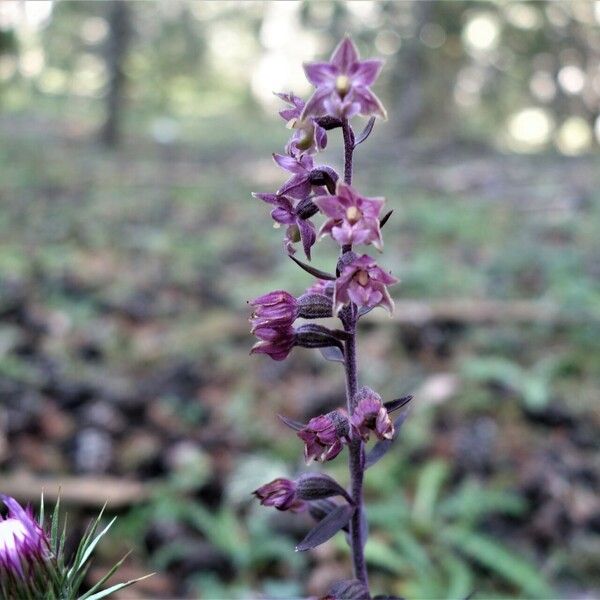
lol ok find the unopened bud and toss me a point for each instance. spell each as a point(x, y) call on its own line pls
point(315, 336)
point(315, 306)
point(316, 486)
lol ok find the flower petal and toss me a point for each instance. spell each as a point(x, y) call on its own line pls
point(365, 72)
point(315, 106)
point(345, 55)
point(308, 235)
point(369, 103)
point(320, 73)
point(288, 163)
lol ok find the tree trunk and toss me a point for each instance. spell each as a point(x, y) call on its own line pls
point(115, 53)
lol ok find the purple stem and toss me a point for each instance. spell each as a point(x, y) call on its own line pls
point(348, 150)
point(356, 450)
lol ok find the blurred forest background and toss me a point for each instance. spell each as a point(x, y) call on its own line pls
point(132, 134)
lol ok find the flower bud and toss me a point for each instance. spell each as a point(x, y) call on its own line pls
point(317, 486)
point(315, 336)
point(370, 415)
point(281, 494)
point(315, 306)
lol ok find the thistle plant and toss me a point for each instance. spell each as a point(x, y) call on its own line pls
point(357, 286)
point(33, 563)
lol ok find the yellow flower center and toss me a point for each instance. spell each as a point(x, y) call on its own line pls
point(342, 85)
point(353, 214)
point(362, 277)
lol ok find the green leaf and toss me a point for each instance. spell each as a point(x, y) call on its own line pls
point(105, 578)
point(92, 545)
point(471, 502)
point(381, 555)
point(460, 578)
point(412, 549)
point(54, 525)
point(115, 588)
point(429, 484)
point(511, 567)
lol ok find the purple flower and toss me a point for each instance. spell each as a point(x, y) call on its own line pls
point(370, 415)
point(299, 185)
point(23, 543)
point(353, 219)
point(277, 342)
point(321, 286)
point(324, 436)
point(363, 283)
point(275, 309)
point(343, 84)
point(308, 135)
point(281, 494)
point(285, 213)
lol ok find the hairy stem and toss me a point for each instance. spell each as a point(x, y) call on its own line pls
point(356, 450)
point(348, 150)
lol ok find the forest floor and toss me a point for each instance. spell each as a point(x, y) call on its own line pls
point(124, 367)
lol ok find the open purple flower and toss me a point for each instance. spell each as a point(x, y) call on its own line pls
point(364, 283)
point(308, 137)
point(370, 415)
point(23, 543)
point(298, 228)
point(277, 342)
point(281, 494)
point(343, 84)
point(275, 309)
point(324, 436)
point(298, 185)
point(353, 219)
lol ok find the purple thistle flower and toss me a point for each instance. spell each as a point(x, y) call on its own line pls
point(275, 309)
point(364, 283)
point(285, 213)
point(281, 494)
point(371, 415)
point(308, 135)
point(353, 219)
point(343, 84)
point(23, 543)
point(324, 436)
point(277, 342)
